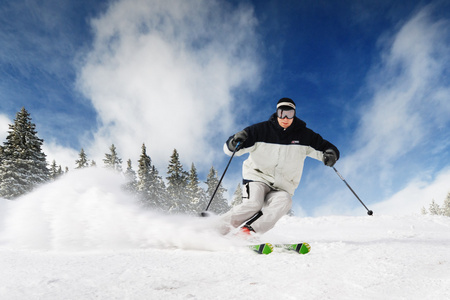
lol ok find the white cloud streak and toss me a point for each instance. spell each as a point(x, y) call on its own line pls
point(163, 73)
point(415, 195)
point(4, 127)
point(402, 140)
point(410, 92)
point(63, 156)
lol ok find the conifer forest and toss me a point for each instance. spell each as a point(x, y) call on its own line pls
point(23, 167)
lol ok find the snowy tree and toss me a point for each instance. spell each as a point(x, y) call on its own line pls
point(424, 211)
point(446, 207)
point(23, 164)
point(196, 194)
point(144, 184)
point(112, 160)
point(55, 170)
point(159, 193)
point(131, 179)
point(219, 204)
point(434, 208)
point(150, 185)
point(237, 196)
point(177, 181)
point(82, 161)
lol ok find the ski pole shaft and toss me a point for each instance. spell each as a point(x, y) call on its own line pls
point(220, 181)
point(369, 212)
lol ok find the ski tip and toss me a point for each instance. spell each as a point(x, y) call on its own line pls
point(305, 248)
point(265, 248)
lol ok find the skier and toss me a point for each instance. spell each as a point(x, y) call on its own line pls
point(277, 149)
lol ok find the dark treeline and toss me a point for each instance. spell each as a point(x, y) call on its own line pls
point(23, 167)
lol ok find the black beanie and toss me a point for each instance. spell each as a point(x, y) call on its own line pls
point(286, 102)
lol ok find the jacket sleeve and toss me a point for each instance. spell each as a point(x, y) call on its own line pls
point(247, 145)
point(318, 143)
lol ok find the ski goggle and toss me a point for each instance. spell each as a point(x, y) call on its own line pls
point(281, 113)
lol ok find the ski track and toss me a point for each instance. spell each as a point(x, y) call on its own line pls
point(82, 238)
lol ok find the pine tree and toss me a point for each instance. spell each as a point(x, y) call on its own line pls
point(55, 171)
point(424, 211)
point(130, 176)
point(82, 161)
point(144, 184)
point(446, 207)
point(237, 196)
point(23, 164)
point(159, 193)
point(60, 171)
point(177, 184)
point(196, 194)
point(150, 185)
point(434, 208)
point(112, 160)
point(219, 204)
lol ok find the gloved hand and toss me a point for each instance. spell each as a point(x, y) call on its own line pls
point(329, 157)
point(239, 137)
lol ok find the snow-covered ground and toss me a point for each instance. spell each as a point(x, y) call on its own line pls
point(82, 238)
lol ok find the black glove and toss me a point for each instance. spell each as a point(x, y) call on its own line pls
point(239, 137)
point(329, 157)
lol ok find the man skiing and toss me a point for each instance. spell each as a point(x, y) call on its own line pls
point(277, 149)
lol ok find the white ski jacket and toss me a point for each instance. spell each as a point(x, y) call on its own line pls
point(277, 155)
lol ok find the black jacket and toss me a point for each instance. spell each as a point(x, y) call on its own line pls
point(276, 155)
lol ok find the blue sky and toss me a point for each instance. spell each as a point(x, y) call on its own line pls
point(370, 76)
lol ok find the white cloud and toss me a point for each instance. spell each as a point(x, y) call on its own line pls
point(408, 91)
point(408, 200)
point(63, 156)
point(402, 139)
point(402, 124)
point(416, 195)
point(4, 127)
point(163, 73)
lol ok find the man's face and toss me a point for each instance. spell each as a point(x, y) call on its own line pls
point(285, 117)
point(285, 123)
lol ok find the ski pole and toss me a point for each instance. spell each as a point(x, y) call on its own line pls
point(204, 213)
point(369, 212)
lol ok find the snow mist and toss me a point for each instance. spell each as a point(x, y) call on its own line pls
point(88, 210)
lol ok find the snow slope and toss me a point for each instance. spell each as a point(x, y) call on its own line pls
point(82, 238)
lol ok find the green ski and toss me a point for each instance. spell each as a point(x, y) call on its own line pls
point(301, 248)
point(262, 248)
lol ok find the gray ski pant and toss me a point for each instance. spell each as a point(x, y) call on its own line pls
point(258, 196)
